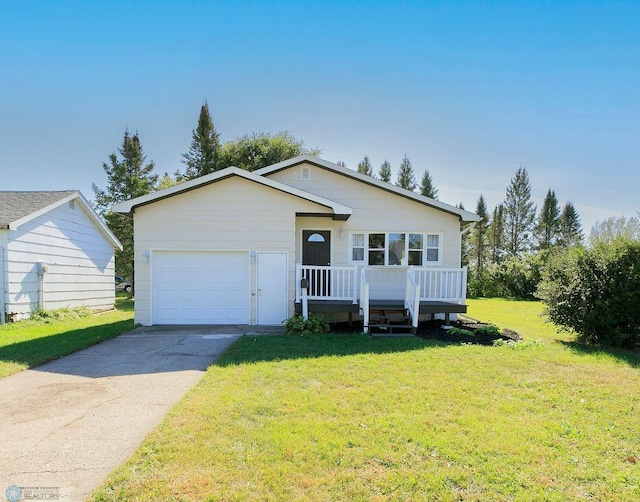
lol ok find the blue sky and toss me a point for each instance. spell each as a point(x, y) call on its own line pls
point(468, 90)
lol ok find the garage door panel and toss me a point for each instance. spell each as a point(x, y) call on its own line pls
point(200, 287)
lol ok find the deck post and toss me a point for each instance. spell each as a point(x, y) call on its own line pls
point(463, 286)
point(305, 304)
point(298, 279)
point(355, 284)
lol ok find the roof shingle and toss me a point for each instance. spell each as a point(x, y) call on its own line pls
point(17, 205)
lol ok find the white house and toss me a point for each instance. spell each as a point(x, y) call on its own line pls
point(235, 247)
point(54, 252)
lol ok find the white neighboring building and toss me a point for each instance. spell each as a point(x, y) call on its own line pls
point(55, 252)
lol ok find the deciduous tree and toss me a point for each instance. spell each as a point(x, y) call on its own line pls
point(257, 150)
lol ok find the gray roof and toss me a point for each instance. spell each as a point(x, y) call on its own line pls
point(17, 205)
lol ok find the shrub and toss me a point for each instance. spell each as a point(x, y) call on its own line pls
point(595, 292)
point(314, 325)
point(62, 314)
point(459, 332)
point(489, 330)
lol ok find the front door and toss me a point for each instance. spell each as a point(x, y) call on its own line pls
point(316, 250)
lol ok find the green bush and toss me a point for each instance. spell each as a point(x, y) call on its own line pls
point(62, 314)
point(459, 332)
point(489, 330)
point(314, 325)
point(595, 292)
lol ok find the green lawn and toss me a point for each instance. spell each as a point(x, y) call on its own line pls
point(28, 343)
point(348, 417)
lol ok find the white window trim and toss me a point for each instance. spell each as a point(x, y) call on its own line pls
point(386, 248)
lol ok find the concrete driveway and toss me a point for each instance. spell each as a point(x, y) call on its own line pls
point(66, 424)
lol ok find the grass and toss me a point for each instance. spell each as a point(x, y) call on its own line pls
point(55, 334)
point(348, 417)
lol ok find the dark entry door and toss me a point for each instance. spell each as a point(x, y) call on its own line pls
point(316, 250)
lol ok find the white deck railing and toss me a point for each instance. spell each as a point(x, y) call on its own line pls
point(442, 284)
point(364, 300)
point(328, 283)
point(344, 283)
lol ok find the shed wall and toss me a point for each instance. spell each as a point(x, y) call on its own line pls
point(79, 261)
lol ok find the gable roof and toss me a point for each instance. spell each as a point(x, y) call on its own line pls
point(340, 211)
point(18, 208)
point(465, 216)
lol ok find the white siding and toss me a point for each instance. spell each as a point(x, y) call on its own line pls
point(374, 210)
point(80, 263)
point(234, 214)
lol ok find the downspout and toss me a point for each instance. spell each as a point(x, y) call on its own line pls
point(42, 269)
point(3, 285)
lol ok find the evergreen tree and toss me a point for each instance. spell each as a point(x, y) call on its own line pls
point(496, 235)
point(570, 228)
point(548, 224)
point(519, 214)
point(126, 178)
point(385, 171)
point(479, 238)
point(365, 167)
point(341, 163)
point(257, 150)
point(202, 157)
point(406, 178)
point(427, 188)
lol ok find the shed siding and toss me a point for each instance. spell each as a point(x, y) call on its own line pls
point(230, 215)
point(79, 259)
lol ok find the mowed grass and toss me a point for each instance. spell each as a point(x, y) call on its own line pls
point(348, 417)
point(28, 343)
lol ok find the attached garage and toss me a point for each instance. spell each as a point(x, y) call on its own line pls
point(200, 287)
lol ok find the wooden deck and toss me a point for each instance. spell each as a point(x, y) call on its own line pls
point(348, 307)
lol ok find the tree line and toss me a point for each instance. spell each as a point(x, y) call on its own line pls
point(130, 174)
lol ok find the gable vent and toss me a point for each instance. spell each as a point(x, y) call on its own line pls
point(305, 173)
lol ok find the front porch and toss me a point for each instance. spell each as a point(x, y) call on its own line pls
point(378, 294)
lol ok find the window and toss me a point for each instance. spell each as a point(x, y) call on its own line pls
point(395, 249)
point(357, 247)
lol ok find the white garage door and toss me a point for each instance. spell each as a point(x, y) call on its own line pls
point(200, 287)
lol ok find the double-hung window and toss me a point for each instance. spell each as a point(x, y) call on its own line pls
point(396, 248)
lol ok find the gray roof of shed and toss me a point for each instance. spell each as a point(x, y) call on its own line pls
point(16, 205)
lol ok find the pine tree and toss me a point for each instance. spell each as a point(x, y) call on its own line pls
point(202, 157)
point(426, 187)
point(406, 178)
point(365, 167)
point(497, 235)
point(548, 224)
point(385, 171)
point(519, 214)
point(570, 228)
point(126, 179)
point(479, 237)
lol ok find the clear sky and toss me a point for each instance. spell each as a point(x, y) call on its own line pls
point(468, 90)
